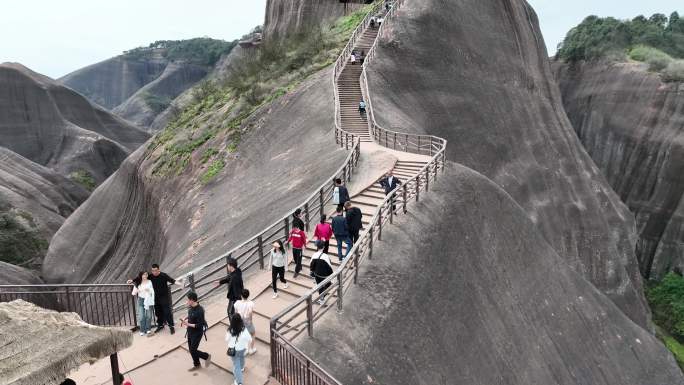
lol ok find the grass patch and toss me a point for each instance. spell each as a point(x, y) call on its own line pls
point(672, 345)
point(214, 169)
point(156, 103)
point(220, 108)
point(84, 178)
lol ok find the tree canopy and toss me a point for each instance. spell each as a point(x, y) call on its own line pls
point(201, 50)
point(596, 37)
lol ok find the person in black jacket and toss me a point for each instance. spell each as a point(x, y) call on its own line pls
point(196, 326)
point(235, 285)
point(341, 233)
point(297, 219)
point(354, 224)
point(162, 298)
point(321, 268)
point(389, 183)
point(340, 193)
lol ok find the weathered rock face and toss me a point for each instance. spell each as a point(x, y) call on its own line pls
point(176, 78)
point(488, 301)
point(288, 17)
point(632, 125)
point(55, 127)
point(111, 82)
point(34, 201)
point(135, 218)
point(15, 275)
point(490, 92)
point(137, 90)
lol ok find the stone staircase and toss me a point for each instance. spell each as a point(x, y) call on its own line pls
point(349, 90)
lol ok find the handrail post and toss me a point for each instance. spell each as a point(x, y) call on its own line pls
point(427, 178)
point(321, 200)
point(417, 187)
point(391, 207)
point(405, 199)
point(260, 246)
point(306, 216)
point(191, 281)
point(356, 265)
point(309, 316)
point(395, 140)
point(287, 227)
point(380, 225)
point(340, 290)
point(68, 300)
point(344, 174)
point(274, 342)
point(419, 149)
point(370, 243)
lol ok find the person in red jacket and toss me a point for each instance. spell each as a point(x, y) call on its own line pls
point(323, 233)
point(298, 241)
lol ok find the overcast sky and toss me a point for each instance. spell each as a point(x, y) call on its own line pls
point(57, 37)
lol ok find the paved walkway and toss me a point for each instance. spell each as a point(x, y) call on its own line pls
point(163, 359)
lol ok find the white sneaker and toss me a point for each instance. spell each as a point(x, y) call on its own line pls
point(275, 295)
point(321, 301)
point(142, 334)
point(285, 286)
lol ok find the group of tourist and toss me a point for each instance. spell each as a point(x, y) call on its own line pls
point(154, 295)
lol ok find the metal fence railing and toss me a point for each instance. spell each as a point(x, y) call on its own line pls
point(102, 305)
point(288, 364)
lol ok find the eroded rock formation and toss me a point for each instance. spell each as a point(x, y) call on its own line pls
point(55, 127)
point(289, 17)
point(491, 93)
point(135, 217)
point(632, 125)
point(137, 90)
point(34, 201)
point(486, 301)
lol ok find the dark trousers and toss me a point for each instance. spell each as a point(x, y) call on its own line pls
point(231, 307)
point(275, 273)
point(297, 255)
point(194, 340)
point(162, 309)
point(326, 244)
point(324, 287)
point(354, 235)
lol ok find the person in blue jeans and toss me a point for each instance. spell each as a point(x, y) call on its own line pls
point(145, 291)
point(238, 338)
point(341, 232)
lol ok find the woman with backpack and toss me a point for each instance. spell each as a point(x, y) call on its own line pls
point(145, 291)
point(278, 261)
point(238, 339)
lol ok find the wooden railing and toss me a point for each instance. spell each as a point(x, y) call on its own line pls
point(289, 365)
point(252, 253)
point(101, 304)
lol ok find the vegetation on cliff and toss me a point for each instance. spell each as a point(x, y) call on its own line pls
point(657, 41)
point(201, 50)
point(20, 241)
point(221, 107)
point(667, 304)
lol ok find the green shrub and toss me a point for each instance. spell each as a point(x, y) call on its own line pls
point(667, 303)
point(674, 72)
point(156, 103)
point(208, 154)
point(214, 169)
point(84, 178)
point(18, 243)
point(596, 37)
point(673, 345)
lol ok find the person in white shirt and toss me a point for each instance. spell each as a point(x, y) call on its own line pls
point(145, 291)
point(278, 262)
point(238, 338)
point(245, 307)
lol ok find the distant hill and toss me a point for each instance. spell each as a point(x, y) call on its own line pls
point(141, 83)
point(56, 127)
